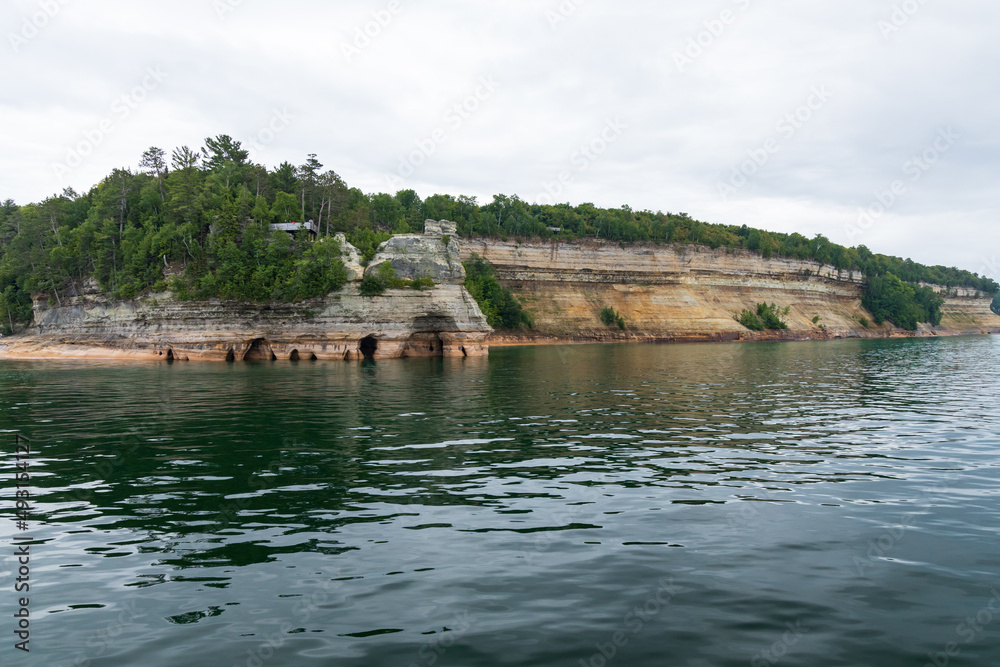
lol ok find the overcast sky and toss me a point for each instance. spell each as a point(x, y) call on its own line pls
point(782, 114)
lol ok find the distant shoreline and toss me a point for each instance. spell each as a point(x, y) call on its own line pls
point(38, 348)
point(576, 293)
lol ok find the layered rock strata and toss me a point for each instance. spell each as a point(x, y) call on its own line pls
point(663, 293)
point(692, 294)
point(442, 320)
point(435, 254)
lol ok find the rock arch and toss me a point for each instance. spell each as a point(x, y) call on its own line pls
point(259, 350)
point(426, 339)
point(294, 356)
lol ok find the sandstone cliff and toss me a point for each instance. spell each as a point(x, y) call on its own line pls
point(692, 294)
point(435, 254)
point(663, 293)
point(443, 320)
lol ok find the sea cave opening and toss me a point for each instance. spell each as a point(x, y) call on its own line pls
point(294, 356)
point(259, 350)
point(369, 345)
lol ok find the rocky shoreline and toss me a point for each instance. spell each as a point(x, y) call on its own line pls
point(663, 294)
point(442, 320)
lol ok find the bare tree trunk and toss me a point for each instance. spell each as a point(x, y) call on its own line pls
point(55, 231)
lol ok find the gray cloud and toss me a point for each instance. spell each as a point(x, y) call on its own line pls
point(693, 113)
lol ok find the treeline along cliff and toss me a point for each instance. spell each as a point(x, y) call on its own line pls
point(209, 226)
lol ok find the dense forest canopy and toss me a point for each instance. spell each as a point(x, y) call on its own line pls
point(196, 221)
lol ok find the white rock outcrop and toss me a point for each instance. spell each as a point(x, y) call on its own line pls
point(435, 254)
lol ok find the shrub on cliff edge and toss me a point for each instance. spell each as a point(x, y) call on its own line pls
point(610, 318)
point(498, 303)
point(375, 284)
point(750, 320)
point(767, 316)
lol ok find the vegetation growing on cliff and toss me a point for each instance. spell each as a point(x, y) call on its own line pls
point(610, 318)
point(198, 219)
point(766, 316)
point(498, 303)
point(889, 298)
point(375, 284)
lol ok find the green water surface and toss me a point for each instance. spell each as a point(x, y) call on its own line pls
point(707, 505)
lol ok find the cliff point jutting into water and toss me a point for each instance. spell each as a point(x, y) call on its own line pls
point(582, 290)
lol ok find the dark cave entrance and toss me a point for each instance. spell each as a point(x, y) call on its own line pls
point(426, 340)
point(259, 351)
point(369, 345)
point(170, 355)
point(231, 356)
point(294, 356)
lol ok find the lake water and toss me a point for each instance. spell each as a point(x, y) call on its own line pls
point(831, 503)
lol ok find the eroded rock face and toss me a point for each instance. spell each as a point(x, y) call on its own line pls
point(693, 293)
point(351, 257)
point(424, 255)
point(440, 321)
point(663, 293)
